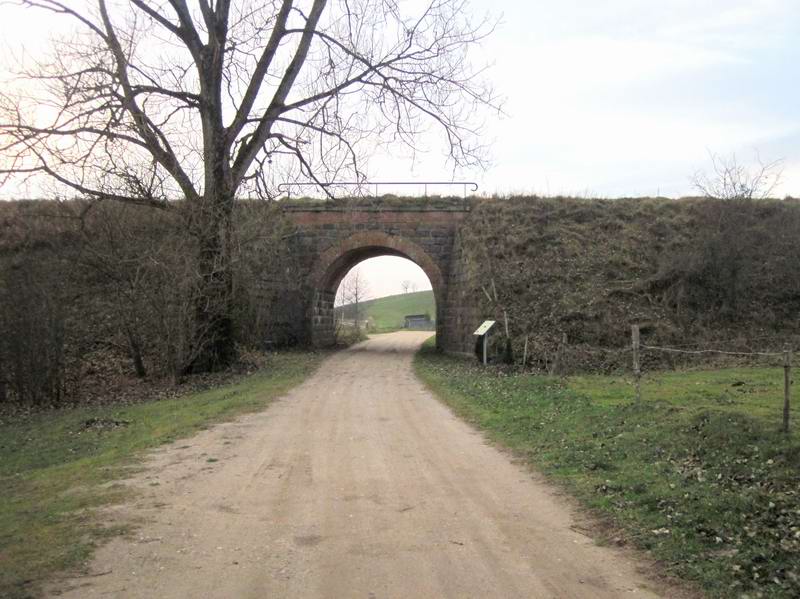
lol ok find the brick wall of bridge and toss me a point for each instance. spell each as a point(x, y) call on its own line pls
point(330, 239)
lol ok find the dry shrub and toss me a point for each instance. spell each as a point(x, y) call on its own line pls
point(92, 289)
point(690, 272)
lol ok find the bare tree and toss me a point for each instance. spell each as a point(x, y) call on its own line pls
point(731, 180)
point(207, 101)
point(353, 292)
point(405, 285)
point(722, 258)
point(414, 287)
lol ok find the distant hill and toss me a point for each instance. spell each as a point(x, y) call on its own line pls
point(387, 313)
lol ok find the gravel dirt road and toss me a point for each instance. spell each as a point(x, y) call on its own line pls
point(357, 484)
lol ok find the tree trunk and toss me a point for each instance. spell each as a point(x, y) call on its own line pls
point(135, 350)
point(214, 332)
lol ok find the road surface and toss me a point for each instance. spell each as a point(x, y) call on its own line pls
point(357, 484)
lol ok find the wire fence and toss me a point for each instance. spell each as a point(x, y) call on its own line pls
point(677, 350)
point(637, 348)
point(727, 341)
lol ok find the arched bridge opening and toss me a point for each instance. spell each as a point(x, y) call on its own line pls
point(329, 239)
point(338, 261)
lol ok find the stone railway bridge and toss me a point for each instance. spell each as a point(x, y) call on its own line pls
point(331, 238)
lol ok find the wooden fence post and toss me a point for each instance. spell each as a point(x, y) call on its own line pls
point(525, 352)
point(787, 387)
point(637, 371)
point(556, 369)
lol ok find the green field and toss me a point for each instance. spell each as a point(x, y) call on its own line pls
point(56, 467)
point(698, 474)
point(387, 313)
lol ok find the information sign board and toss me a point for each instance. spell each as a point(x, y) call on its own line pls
point(484, 328)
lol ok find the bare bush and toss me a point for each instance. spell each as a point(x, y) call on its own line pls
point(714, 270)
point(41, 346)
point(730, 180)
point(34, 340)
point(267, 293)
point(93, 292)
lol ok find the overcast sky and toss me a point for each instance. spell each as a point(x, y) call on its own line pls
point(629, 97)
point(614, 97)
point(385, 275)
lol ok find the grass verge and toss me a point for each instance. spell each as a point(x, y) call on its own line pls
point(698, 474)
point(55, 467)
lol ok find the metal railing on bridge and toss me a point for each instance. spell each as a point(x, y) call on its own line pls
point(365, 187)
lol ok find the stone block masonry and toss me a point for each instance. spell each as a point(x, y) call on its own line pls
point(331, 237)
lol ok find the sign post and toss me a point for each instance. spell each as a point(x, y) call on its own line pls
point(483, 332)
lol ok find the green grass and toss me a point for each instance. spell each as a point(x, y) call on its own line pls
point(54, 468)
point(698, 474)
point(388, 313)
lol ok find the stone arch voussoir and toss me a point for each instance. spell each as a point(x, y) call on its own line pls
point(334, 263)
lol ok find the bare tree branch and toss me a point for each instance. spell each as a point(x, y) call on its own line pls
point(731, 180)
point(249, 150)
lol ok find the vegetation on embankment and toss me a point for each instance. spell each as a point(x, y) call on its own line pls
point(57, 466)
point(699, 272)
point(698, 474)
point(388, 313)
point(97, 297)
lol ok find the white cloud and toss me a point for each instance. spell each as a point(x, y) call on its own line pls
point(582, 64)
point(746, 24)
